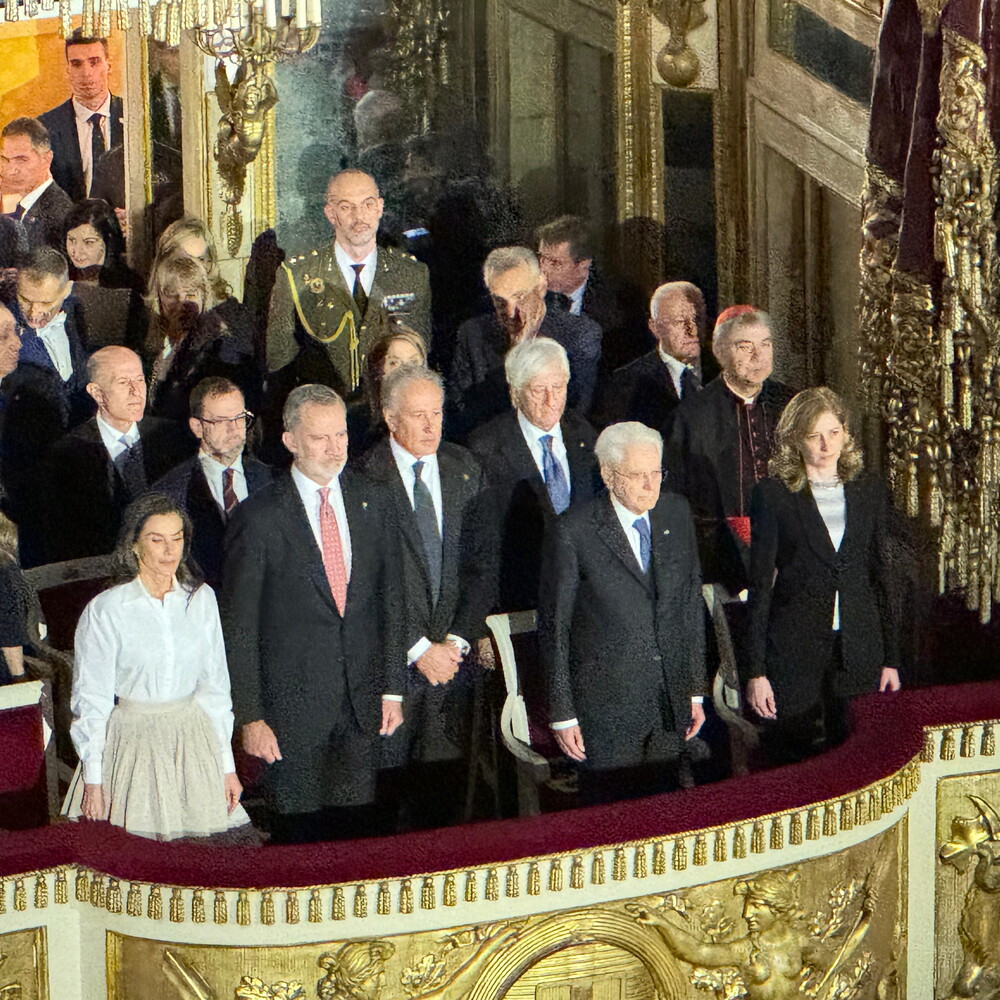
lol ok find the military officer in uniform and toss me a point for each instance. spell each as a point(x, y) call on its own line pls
point(331, 304)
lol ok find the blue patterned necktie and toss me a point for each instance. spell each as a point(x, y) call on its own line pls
point(555, 478)
point(131, 467)
point(645, 541)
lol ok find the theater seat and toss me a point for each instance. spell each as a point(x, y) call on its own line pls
point(540, 764)
point(29, 791)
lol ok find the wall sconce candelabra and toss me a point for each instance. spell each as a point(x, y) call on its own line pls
point(250, 35)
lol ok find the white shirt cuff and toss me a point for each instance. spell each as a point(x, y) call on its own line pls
point(92, 772)
point(393, 697)
point(457, 640)
point(568, 724)
point(418, 649)
point(228, 764)
point(697, 699)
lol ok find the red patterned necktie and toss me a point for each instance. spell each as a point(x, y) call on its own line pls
point(333, 550)
point(229, 497)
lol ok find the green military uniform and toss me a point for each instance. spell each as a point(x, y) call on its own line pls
point(312, 305)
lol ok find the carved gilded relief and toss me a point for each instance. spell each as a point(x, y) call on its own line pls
point(832, 928)
point(967, 891)
point(23, 970)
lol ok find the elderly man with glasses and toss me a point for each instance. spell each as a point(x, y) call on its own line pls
point(621, 625)
point(221, 475)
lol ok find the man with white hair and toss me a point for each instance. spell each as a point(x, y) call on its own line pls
point(538, 459)
point(431, 491)
point(621, 624)
point(517, 287)
point(651, 388)
point(721, 442)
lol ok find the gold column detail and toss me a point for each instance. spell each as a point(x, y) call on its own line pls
point(640, 118)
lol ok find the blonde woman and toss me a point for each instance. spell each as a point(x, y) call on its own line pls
point(822, 627)
point(14, 596)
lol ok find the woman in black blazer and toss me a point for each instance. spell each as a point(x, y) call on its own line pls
point(822, 624)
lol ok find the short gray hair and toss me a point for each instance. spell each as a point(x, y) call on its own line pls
point(505, 259)
point(525, 360)
point(686, 289)
point(616, 439)
point(725, 329)
point(307, 395)
point(405, 375)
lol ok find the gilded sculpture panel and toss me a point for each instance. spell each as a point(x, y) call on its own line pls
point(23, 965)
point(831, 928)
point(967, 886)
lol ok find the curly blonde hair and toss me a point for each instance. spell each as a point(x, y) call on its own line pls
point(796, 422)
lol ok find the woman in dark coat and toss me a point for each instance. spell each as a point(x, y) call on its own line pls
point(822, 627)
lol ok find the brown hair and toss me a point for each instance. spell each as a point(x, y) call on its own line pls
point(125, 564)
point(796, 422)
point(375, 362)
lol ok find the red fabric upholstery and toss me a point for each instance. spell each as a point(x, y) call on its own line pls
point(23, 791)
point(888, 734)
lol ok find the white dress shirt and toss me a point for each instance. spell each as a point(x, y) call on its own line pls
point(112, 438)
point(32, 196)
point(309, 493)
point(130, 645)
point(627, 520)
point(430, 476)
point(53, 335)
point(345, 262)
point(85, 134)
point(533, 438)
point(213, 476)
point(676, 369)
point(576, 299)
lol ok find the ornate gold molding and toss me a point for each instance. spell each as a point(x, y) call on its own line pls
point(639, 116)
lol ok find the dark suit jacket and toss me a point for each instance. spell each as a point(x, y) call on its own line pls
point(477, 388)
point(620, 309)
point(85, 498)
point(295, 662)
point(438, 719)
point(791, 613)
point(189, 487)
point(518, 503)
point(43, 222)
point(643, 390)
point(702, 459)
point(67, 167)
point(623, 651)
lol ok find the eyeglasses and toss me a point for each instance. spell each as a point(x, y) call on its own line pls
point(540, 392)
point(245, 417)
point(654, 475)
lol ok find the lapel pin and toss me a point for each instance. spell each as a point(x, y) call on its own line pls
point(666, 531)
point(465, 476)
point(364, 505)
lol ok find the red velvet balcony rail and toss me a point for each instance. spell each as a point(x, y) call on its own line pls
point(889, 732)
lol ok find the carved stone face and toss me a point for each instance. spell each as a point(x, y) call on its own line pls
point(758, 915)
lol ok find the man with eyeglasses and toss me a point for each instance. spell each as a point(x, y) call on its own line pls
point(97, 469)
point(330, 304)
point(722, 439)
point(538, 460)
point(621, 625)
point(222, 475)
point(651, 388)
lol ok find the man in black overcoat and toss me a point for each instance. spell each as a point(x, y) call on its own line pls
point(304, 612)
point(434, 518)
point(538, 460)
point(621, 625)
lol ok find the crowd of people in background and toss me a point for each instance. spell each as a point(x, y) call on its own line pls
point(318, 577)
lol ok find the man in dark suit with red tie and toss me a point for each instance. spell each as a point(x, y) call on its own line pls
point(85, 129)
point(538, 460)
point(210, 485)
point(304, 602)
point(621, 625)
point(433, 517)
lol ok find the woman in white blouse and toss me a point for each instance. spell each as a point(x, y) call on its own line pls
point(822, 605)
point(151, 704)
